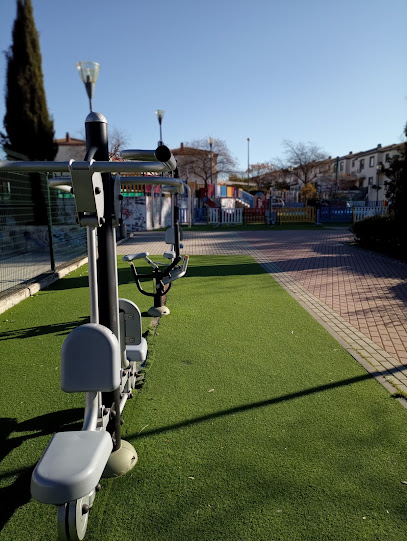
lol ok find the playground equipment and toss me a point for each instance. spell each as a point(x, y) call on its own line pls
point(163, 274)
point(99, 358)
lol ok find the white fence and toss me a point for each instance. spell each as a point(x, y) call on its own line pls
point(359, 213)
point(226, 216)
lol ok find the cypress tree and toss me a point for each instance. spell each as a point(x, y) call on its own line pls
point(29, 128)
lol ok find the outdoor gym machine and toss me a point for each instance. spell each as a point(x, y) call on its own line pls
point(99, 358)
point(162, 274)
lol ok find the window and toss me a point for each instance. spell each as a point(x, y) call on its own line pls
point(370, 181)
point(361, 165)
point(371, 161)
point(341, 166)
point(387, 157)
point(353, 163)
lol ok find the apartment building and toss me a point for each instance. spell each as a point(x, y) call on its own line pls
point(367, 169)
point(363, 173)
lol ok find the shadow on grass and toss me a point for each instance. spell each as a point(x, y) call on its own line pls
point(269, 402)
point(55, 328)
point(17, 493)
point(194, 271)
point(74, 282)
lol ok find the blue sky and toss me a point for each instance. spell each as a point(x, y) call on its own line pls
point(330, 72)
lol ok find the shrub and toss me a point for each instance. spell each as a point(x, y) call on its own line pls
point(382, 233)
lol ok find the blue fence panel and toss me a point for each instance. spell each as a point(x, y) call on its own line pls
point(200, 215)
point(335, 214)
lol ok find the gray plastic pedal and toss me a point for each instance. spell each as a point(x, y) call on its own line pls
point(90, 360)
point(71, 466)
point(136, 345)
point(130, 257)
point(178, 272)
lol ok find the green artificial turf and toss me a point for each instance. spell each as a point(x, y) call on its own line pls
point(253, 423)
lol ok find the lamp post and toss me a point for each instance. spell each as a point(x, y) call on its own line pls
point(160, 115)
point(88, 72)
point(211, 141)
point(248, 161)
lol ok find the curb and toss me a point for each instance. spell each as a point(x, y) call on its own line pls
point(31, 289)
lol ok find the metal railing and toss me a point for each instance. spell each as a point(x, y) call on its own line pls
point(38, 229)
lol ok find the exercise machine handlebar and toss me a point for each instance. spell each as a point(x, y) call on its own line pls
point(162, 154)
point(94, 167)
point(174, 184)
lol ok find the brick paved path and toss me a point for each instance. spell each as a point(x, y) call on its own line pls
point(358, 296)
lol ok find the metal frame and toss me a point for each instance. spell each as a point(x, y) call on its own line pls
point(97, 197)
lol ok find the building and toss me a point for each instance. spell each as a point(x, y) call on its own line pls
point(197, 166)
point(70, 148)
point(360, 175)
point(366, 169)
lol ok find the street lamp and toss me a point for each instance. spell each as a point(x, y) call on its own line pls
point(88, 72)
point(248, 161)
point(160, 115)
point(336, 175)
point(211, 141)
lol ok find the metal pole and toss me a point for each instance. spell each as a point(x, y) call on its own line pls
point(248, 161)
point(92, 273)
point(50, 235)
point(211, 147)
point(336, 175)
point(108, 301)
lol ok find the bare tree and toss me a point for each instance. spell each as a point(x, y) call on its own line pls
point(197, 159)
point(264, 175)
point(303, 160)
point(117, 141)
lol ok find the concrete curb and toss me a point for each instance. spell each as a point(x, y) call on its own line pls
point(11, 300)
point(32, 288)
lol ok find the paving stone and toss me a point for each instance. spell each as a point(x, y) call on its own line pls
point(360, 296)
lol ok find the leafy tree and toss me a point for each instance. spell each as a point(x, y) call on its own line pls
point(396, 190)
point(237, 180)
point(308, 192)
point(29, 128)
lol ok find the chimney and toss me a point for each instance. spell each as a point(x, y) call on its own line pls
point(67, 137)
point(350, 152)
point(379, 146)
point(182, 146)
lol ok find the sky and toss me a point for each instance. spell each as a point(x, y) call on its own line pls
point(329, 72)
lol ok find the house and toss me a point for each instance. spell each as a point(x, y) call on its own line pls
point(197, 166)
point(360, 174)
point(70, 148)
point(366, 169)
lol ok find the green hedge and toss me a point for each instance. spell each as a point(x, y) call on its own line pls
point(382, 233)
